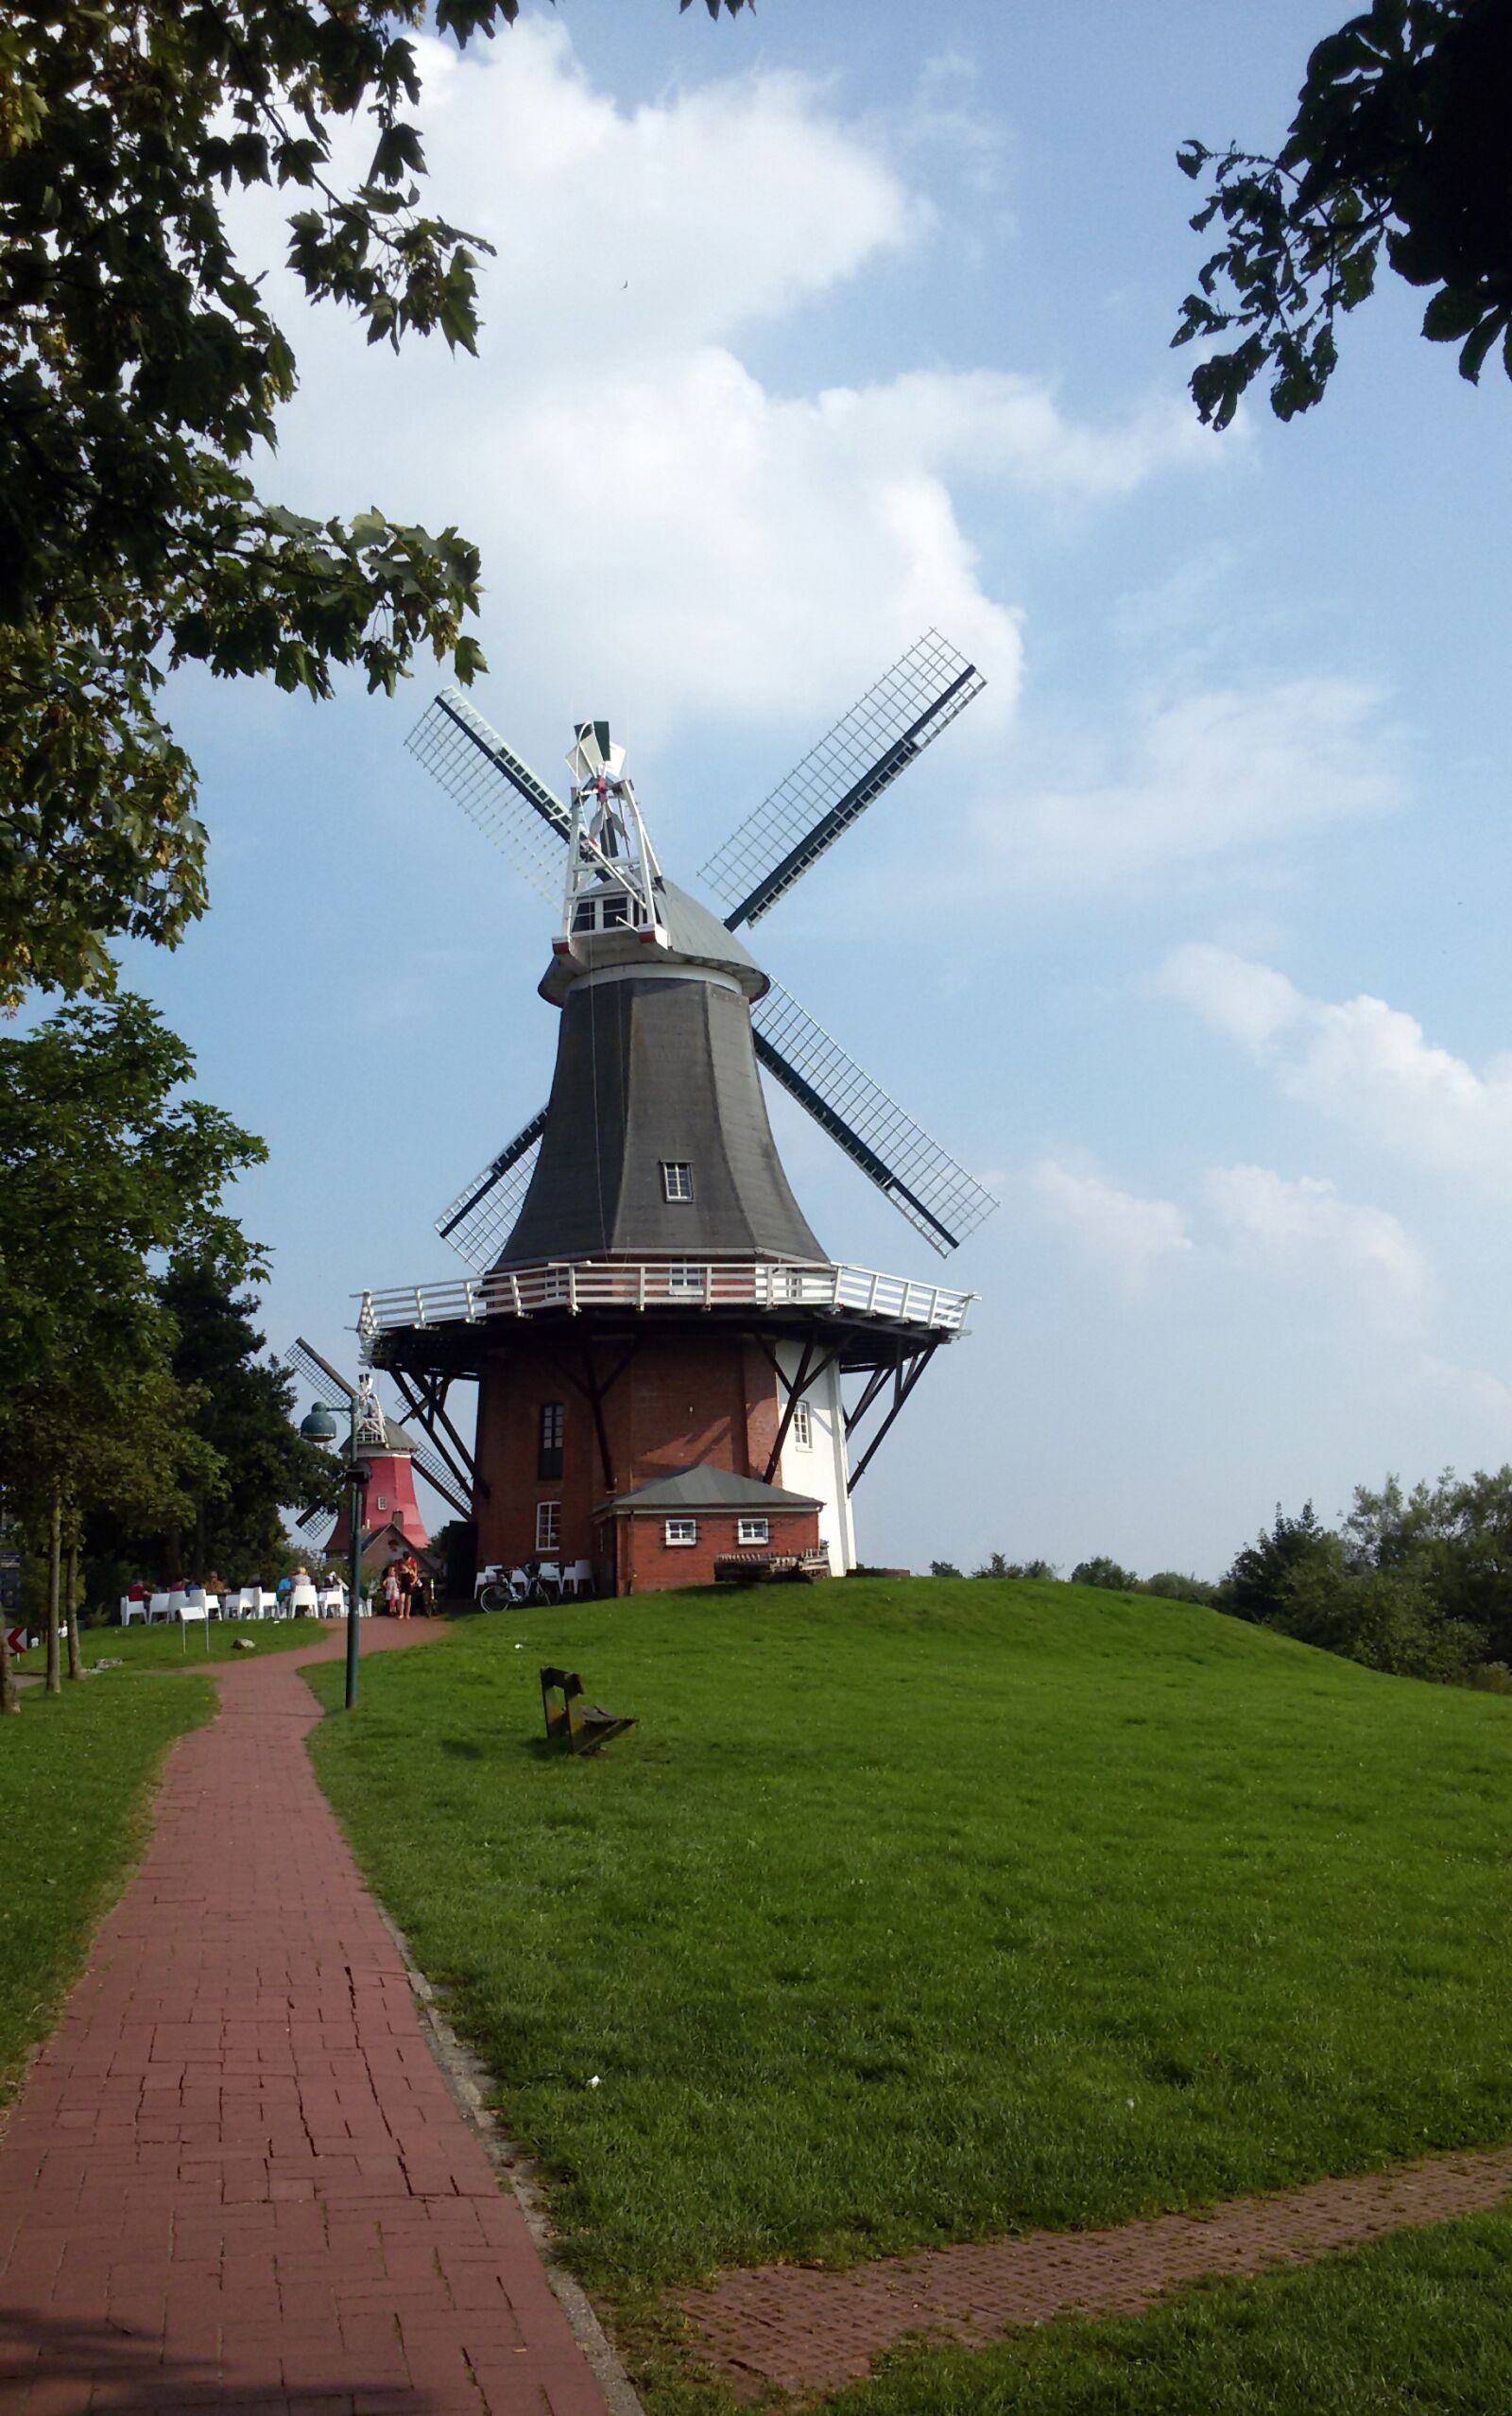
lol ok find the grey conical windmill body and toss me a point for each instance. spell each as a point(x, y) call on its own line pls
point(656, 1069)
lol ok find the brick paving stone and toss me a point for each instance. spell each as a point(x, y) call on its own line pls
point(235, 2178)
point(806, 2330)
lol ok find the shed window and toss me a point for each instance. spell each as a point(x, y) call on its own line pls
point(548, 1450)
point(750, 1530)
point(677, 1179)
point(681, 1531)
point(548, 1526)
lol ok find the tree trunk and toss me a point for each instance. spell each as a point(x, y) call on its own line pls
point(54, 1582)
point(76, 1666)
point(10, 1694)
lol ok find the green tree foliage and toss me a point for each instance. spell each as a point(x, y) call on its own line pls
point(1418, 1583)
point(943, 1568)
point(1170, 1586)
point(256, 1461)
point(103, 1169)
point(1103, 1572)
point(139, 369)
point(1257, 1586)
point(1400, 142)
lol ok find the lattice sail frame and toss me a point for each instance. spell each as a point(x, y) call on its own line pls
point(924, 1184)
point(880, 736)
point(494, 787)
point(480, 1219)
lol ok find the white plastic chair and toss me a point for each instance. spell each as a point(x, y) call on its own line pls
point(212, 1606)
point(304, 1602)
point(159, 1610)
point(249, 1602)
point(548, 1574)
point(578, 1578)
point(131, 1610)
point(332, 1602)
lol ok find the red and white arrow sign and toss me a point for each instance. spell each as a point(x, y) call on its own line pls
point(16, 1638)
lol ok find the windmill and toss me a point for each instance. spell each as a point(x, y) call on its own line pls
point(390, 1450)
point(636, 1244)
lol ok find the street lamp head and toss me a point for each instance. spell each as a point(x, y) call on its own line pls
point(319, 1427)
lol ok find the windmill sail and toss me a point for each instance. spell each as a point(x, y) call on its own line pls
point(479, 1218)
point(850, 768)
point(494, 787)
point(936, 1196)
point(329, 1385)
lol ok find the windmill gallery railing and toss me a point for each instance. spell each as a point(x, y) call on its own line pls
point(647, 1285)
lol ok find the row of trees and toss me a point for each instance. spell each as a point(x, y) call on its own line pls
point(1169, 1584)
point(1418, 1583)
point(137, 1421)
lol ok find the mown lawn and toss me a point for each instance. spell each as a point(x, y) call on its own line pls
point(76, 1778)
point(918, 1910)
point(170, 1646)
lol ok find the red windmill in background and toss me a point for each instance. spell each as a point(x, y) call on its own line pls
point(392, 1515)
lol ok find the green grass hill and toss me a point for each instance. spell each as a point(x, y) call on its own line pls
point(915, 1910)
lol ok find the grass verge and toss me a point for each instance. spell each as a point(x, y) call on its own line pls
point(75, 1777)
point(916, 1912)
point(170, 1646)
point(1417, 2323)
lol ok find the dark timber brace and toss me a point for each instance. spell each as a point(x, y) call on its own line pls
point(425, 1398)
point(805, 1377)
point(588, 1384)
point(904, 1376)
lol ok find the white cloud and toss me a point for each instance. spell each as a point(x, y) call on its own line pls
point(1208, 773)
point(1117, 1228)
point(1304, 1227)
point(1359, 1062)
point(658, 523)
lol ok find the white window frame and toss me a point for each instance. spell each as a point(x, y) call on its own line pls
point(548, 1526)
point(676, 1532)
point(686, 1282)
point(802, 1426)
point(753, 1531)
point(676, 1172)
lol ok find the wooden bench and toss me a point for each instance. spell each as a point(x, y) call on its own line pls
point(581, 1727)
point(770, 1568)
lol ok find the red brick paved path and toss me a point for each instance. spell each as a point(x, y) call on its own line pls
point(235, 2177)
point(805, 2330)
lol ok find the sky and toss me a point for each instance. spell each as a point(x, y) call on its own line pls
point(806, 332)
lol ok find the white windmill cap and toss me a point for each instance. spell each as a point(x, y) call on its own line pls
point(594, 752)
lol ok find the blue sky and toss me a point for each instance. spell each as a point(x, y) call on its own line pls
point(808, 331)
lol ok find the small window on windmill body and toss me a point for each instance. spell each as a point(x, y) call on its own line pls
point(548, 1526)
point(677, 1179)
point(553, 1427)
point(616, 911)
point(802, 1426)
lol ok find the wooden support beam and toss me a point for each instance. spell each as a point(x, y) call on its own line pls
point(902, 1388)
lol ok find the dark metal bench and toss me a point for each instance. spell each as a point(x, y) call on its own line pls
point(581, 1727)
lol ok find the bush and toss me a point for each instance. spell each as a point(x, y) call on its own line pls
point(1105, 1573)
point(1171, 1587)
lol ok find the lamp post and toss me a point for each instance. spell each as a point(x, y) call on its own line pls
point(320, 1427)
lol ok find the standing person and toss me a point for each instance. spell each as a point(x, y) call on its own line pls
point(391, 1591)
point(407, 1574)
